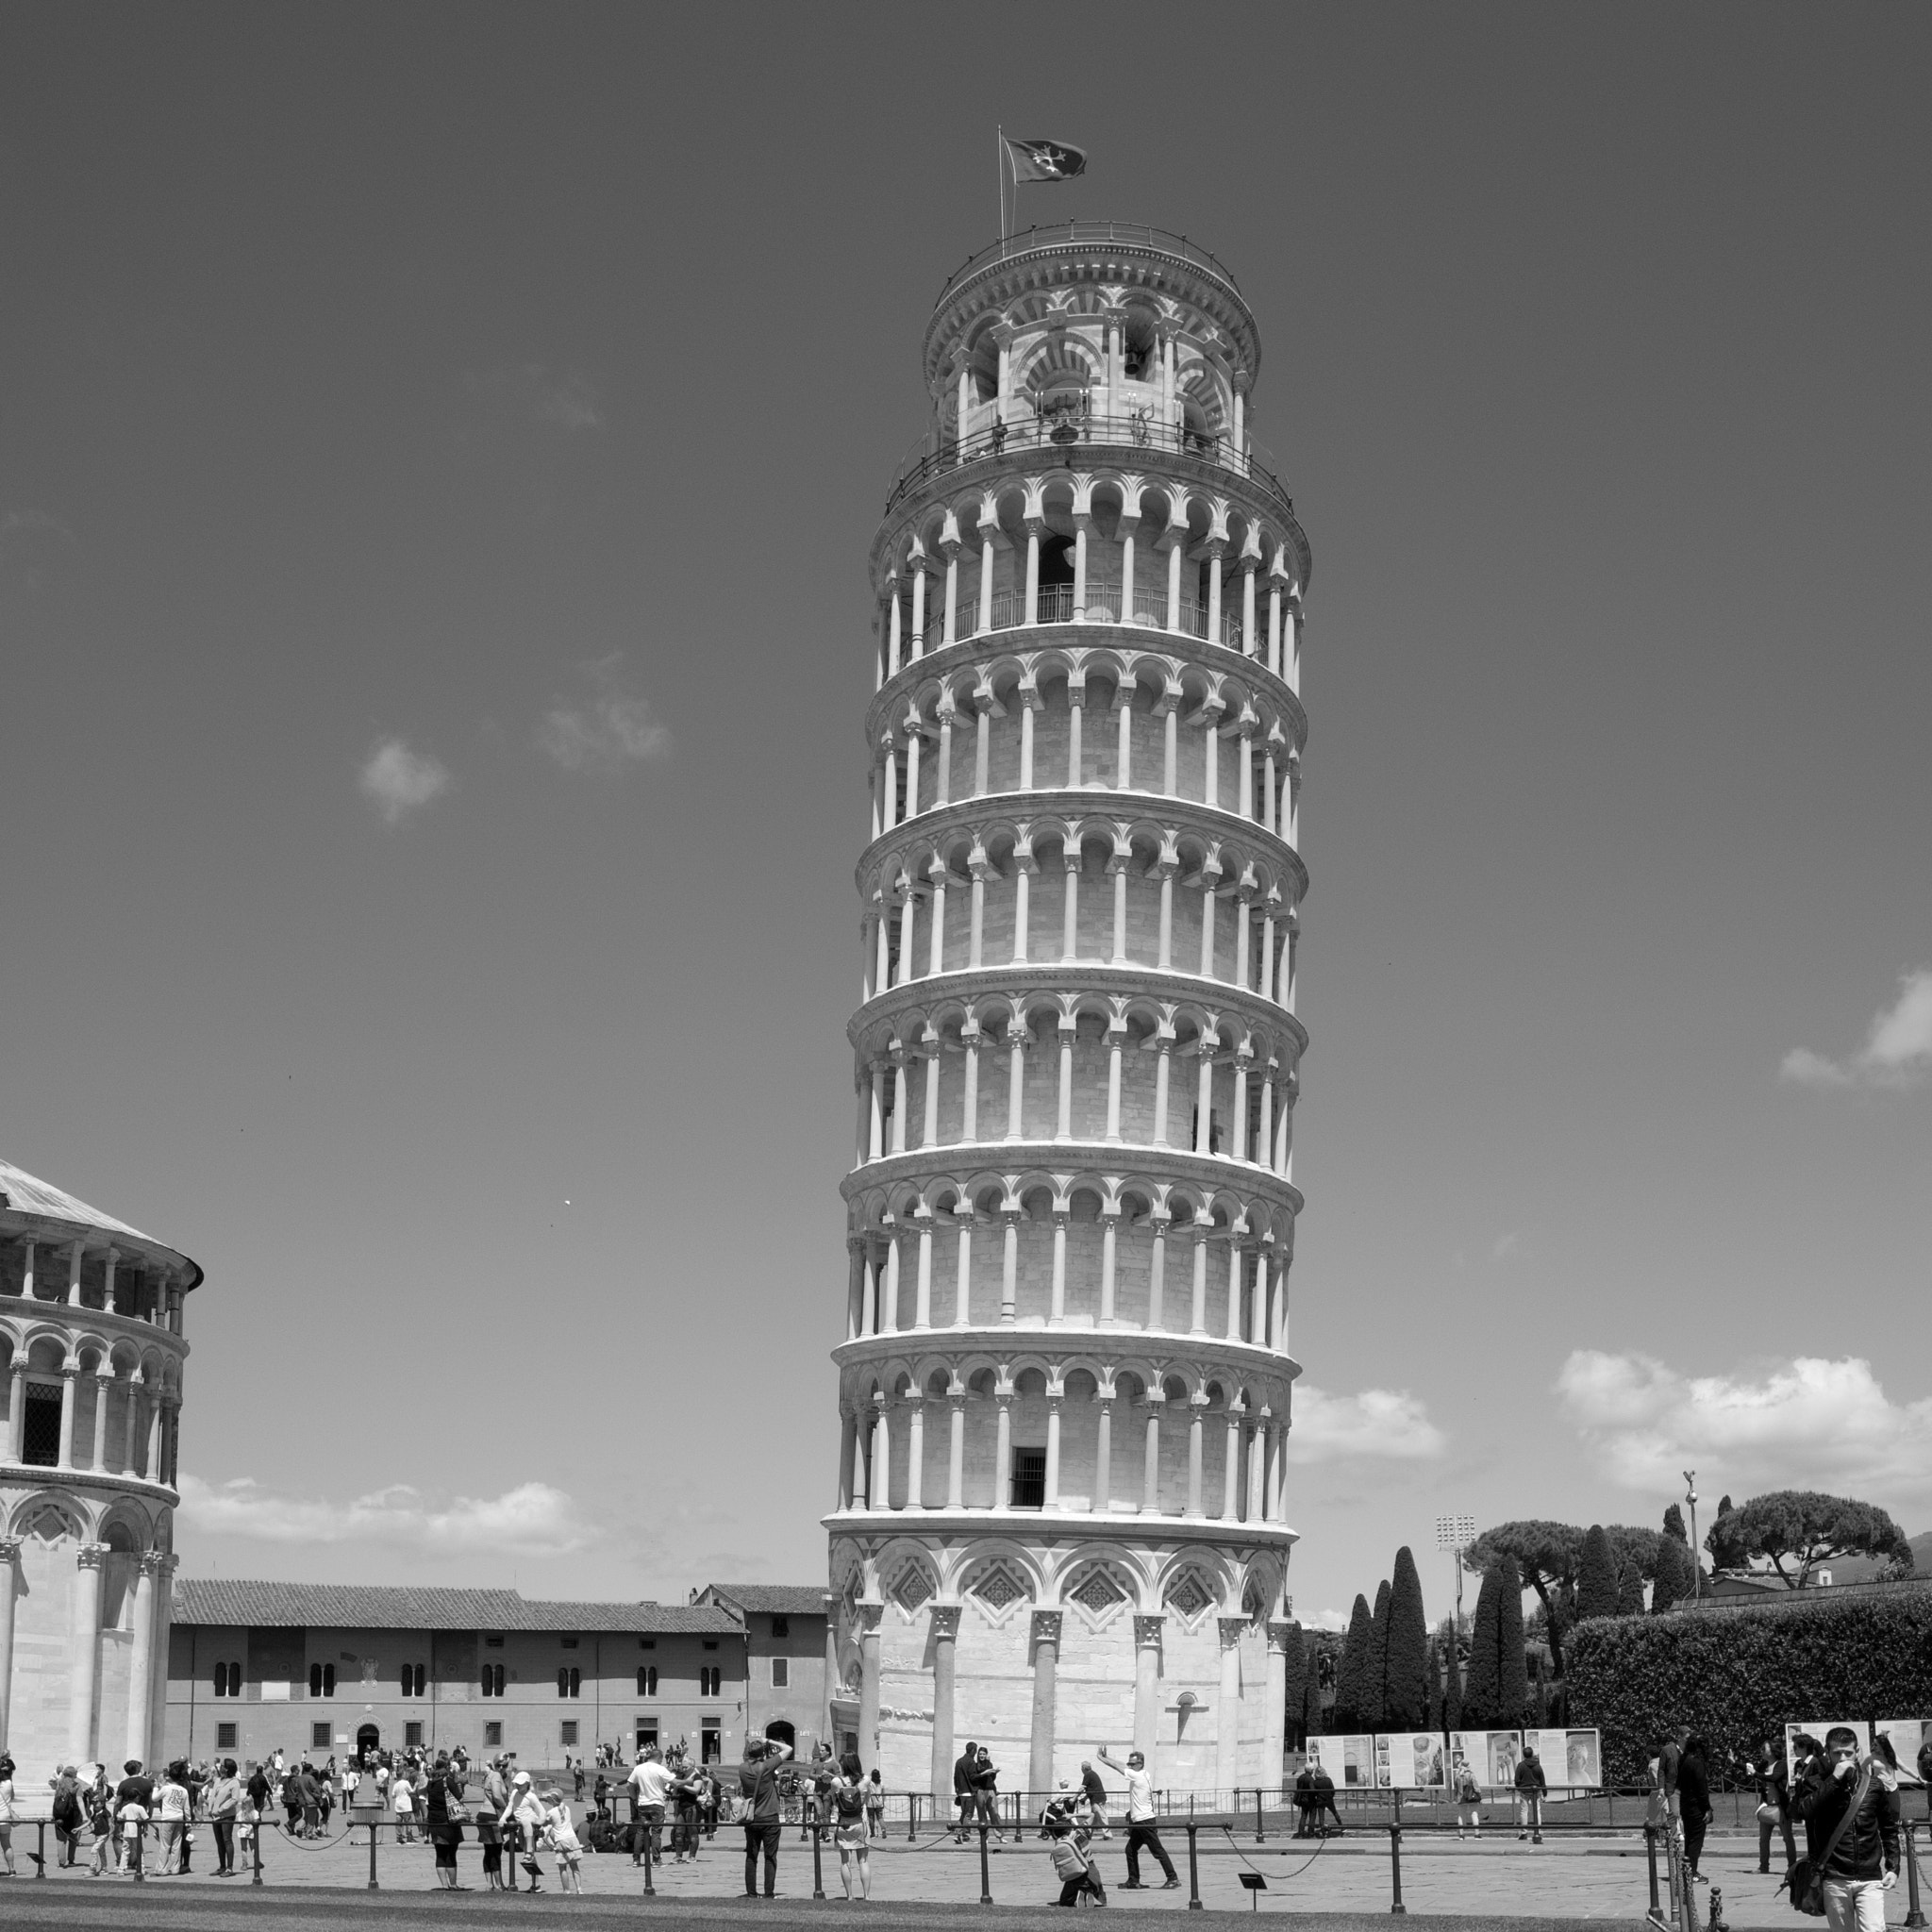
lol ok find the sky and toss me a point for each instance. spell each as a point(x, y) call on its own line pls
point(439, 454)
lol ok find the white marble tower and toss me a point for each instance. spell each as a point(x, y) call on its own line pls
point(1065, 1386)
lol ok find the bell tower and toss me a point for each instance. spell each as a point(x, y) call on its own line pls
point(1061, 1516)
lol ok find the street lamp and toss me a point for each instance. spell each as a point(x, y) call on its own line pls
point(1696, 1568)
point(1455, 1534)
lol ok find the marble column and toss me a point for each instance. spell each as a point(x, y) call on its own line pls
point(1147, 1685)
point(141, 1664)
point(945, 1634)
point(1228, 1716)
point(1046, 1651)
point(1277, 1738)
point(87, 1653)
point(869, 1683)
point(165, 1627)
point(10, 1577)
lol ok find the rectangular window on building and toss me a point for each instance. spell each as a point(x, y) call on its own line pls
point(710, 1680)
point(318, 1737)
point(493, 1680)
point(647, 1643)
point(647, 1680)
point(781, 1626)
point(493, 1734)
point(710, 1644)
point(569, 1683)
point(225, 1737)
point(322, 1680)
point(493, 1644)
point(647, 1737)
point(710, 1744)
point(570, 1643)
point(227, 1680)
point(1029, 1478)
point(781, 1674)
point(39, 1441)
point(412, 1736)
point(570, 1732)
point(414, 1677)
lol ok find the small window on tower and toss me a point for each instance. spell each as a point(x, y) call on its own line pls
point(1029, 1478)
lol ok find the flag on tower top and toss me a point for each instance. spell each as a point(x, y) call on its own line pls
point(1045, 161)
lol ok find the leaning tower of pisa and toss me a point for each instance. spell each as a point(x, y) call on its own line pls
point(1064, 1387)
point(91, 1318)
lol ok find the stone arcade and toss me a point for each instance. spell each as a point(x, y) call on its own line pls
point(1065, 1384)
point(90, 1322)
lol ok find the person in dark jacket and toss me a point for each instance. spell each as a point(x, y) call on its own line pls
point(1530, 1786)
point(964, 1769)
point(1694, 1802)
point(1863, 1865)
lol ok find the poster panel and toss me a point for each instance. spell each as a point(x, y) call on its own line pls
point(1816, 1727)
point(1412, 1761)
point(1493, 1756)
point(1571, 1761)
point(1908, 1735)
point(1349, 1759)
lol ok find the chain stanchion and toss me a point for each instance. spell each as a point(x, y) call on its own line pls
point(1656, 1913)
point(1193, 1864)
point(1914, 1917)
point(985, 1869)
point(1397, 1909)
point(373, 1884)
point(1260, 1829)
point(911, 1817)
point(40, 1856)
point(650, 1890)
point(817, 1855)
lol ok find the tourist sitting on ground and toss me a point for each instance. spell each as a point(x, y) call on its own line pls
point(1074, 1866)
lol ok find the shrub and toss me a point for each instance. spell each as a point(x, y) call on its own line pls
point(1739, 1676)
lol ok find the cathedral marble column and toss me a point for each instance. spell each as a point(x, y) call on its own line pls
point(10, 1577)
point(945, 1644)
point(1046, 1653)
point(1228, 1711)
point(87, 1650)
point(1147, 1685)
point(869, 1615)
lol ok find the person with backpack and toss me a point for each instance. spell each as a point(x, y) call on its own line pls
point(1469, 1800)
point(1071, 1832)
point(761, 1807)
point(847, 1800)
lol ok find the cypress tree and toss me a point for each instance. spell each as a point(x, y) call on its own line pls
point(1374, 1710)
point(1294, 1688)
point(1512, 1664)
point(1313, 1723)
point(1674, 1525)
point(1452, 1682)
point(1351, 1673)
point(1596, 1582)
point(1482, 1694)
point(1673, 1574)
point(1630, 1593)
point(1406, 1677)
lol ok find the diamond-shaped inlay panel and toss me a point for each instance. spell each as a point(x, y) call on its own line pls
point(912, 1588)
point(998, 1588)
point(1188, 1597)
point(1098, 1592)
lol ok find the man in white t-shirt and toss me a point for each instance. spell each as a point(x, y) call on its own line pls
point(650, 1783)
point(1141, 1829)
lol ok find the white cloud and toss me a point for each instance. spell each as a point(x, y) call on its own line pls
point(1506, 1245)
point(1388, 1424)
point(1805, 1423)
point(564, 399)
point(1326, 1620)
point(1897, 1050)
point(531, 1519)
point(400, 780)
point(606, 732)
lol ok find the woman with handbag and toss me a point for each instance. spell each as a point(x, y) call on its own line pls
point(445, 1814)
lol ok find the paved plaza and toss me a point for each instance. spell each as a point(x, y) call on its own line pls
point(1574, 1880)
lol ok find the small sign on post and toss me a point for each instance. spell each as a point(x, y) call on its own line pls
point(1256, 1884)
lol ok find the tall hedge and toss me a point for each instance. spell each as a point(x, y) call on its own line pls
point(1741, 1675)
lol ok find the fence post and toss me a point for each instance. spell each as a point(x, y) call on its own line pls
point(1397, 1907)
point(817, 1864)
point(40, 1856)
point(256, 1837)
point(1193, 1864)
point(373, 1886)
point(985, 1870)
point(650, 1890)
point(1914, 1917)
point(1260, 1829)
point(911, 1817)
point(1656, 1913)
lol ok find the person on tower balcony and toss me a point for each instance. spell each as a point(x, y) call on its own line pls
point(1141, 1829)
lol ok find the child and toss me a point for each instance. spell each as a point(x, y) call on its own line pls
point(133, 1823)
point(560, 1834)
point(100, 1821)
point(1075, 1869)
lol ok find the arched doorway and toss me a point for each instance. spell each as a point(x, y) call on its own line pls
point(368, 1738)
point(782, 1729)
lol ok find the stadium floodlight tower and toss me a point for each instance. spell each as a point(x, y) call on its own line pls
point(1061, 1516)
point(91, 1332)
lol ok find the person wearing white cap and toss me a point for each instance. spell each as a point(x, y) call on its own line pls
point(524, 1814)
